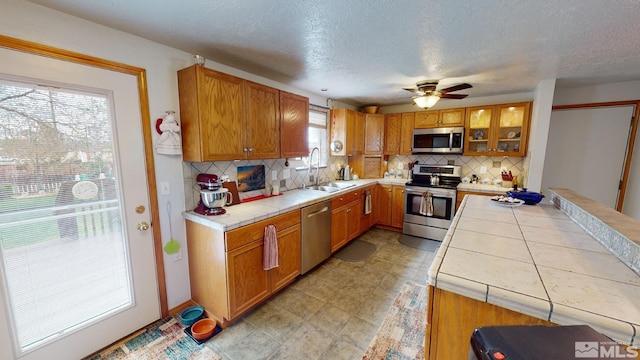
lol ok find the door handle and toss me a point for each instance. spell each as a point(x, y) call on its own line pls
point(143, 226)
point(324, 209)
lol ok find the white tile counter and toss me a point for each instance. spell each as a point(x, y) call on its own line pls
point(486, 188)
point(538, 261)
point(247, 213)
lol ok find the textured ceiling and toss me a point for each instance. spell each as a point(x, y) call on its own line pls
point(365, 51)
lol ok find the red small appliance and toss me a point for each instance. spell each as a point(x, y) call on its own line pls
point(207, 183)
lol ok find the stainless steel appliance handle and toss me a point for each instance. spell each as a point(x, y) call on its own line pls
point(317, 212)
point(451, 141)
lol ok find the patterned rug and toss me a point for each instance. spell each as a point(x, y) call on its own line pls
point(401, 335)
point(164, 339)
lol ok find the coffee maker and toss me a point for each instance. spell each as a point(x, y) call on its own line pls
point(212, 195)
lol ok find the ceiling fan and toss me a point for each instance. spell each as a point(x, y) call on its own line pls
point(429, 96)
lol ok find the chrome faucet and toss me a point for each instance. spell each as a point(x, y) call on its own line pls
point(317, 164)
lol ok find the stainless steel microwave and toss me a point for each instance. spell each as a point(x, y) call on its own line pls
point(438, 140)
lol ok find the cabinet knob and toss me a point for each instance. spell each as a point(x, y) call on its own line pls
point(250, 149)
point(356, 194)
point(348, 210)
point(245, 149)
point(340, 199)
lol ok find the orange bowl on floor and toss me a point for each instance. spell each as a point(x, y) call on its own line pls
point(203, 328)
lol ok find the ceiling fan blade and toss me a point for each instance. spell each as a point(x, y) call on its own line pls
point(415, 91)
point(453, 96)
point(456, 88)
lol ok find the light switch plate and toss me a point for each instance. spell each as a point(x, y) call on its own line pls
point(286, 173)
point(483, 169)
point(164, 188)
point(274, 175)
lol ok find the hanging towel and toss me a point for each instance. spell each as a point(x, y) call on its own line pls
point(170, 141)
point(429, 201)
point(270, 256)
point(423, 204)
point(367, 202)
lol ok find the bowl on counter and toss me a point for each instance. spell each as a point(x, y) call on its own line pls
point(529, 197)
point(190, 315)
point(203, 328)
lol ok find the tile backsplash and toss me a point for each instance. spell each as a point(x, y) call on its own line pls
point(470, 165)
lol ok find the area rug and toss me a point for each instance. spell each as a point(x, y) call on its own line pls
point(401, 335)
point(164, 339)
point(420, 243)
point(356, 251)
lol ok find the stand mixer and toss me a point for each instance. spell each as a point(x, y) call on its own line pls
point(212, 195)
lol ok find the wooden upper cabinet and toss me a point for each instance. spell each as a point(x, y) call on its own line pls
point(392, 131)
point(212, 112)
point(263, 122)
point(426, 119)
point(359, 135)
point(497, 130)
point(373, 134)
point(439, 118)
point(406, 133)
point(346, 128)
point(451, 117)
point(294, 125)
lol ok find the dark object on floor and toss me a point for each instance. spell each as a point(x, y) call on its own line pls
point(187, 331)
point(356, 251)
point(420, 243)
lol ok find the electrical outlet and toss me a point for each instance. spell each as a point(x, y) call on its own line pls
point(286, 173)
point(283, 184)
point(177, 256)
point(164, 188)
point(274, 175)
point(483, 169)
point(311, 178)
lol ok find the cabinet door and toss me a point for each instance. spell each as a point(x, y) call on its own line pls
point(339, 229)
point(263, 122)
point(374, 134)
point(359, 133)
point(222, 115)
point(248, 283)
point(451, 117)
point(511, 129)
point(397, 212)
point(426, 119)
point(354, 213)
point(351, 133)
point(478, 131)
point(288, 258)
point(338, 124)
point(294, 125)
point(406, 133)
point(384, 204)
point(392, 130)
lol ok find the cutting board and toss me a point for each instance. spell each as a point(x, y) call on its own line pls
point(233, 189)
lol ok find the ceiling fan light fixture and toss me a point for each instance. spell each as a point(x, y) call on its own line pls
point(427, 101)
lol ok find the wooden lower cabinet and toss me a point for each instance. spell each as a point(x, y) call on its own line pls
point(226, 268)
point(391, 205)
point(460, 196)
point(345, 224)
point(451, 319)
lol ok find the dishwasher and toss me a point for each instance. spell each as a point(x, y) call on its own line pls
point(315, 244)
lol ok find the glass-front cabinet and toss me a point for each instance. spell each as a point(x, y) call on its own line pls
point(497, 130)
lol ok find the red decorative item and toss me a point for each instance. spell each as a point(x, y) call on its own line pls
point(158, 123)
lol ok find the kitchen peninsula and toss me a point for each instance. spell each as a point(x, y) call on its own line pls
point(504, 265)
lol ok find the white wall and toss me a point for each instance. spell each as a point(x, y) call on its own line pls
point(27, 21)
point(539, 130)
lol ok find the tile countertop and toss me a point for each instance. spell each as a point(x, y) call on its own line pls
point(537, 261)
point(247, 213)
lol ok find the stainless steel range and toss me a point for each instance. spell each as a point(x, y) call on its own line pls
point(430, 199)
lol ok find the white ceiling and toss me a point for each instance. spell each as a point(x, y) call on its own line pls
point(365, 51)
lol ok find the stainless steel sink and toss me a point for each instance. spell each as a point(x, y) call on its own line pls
point(324, 188)
point(339, 185)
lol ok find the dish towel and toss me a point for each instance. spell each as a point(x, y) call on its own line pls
point(367, 202)
point(270, 256)
point(423, 204)
point(429, 201)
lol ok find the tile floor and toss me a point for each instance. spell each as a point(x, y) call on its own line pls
point(332, 312)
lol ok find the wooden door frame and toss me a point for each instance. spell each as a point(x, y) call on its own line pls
point(632, 137)
point(141, 75)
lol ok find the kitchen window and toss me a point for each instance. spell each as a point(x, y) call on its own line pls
point(318, 137)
